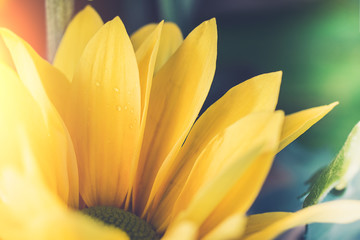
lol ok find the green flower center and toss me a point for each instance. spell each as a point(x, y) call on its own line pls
point(135, 227)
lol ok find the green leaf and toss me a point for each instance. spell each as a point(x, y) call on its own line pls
point(340, 171)
point(58, 15)
point(326, 231)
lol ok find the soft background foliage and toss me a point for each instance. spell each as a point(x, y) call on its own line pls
point(316, 43)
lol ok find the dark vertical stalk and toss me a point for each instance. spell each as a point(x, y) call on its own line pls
point(58, 14)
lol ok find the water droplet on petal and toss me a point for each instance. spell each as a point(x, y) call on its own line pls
point(126, 108)
point(116, 90)
point(97, 84)
point(131, 126)
point(118, 107)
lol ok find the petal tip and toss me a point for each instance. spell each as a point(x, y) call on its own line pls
point(212, 20)
point(334, 104)
point(212, 23)
point(89, 8)
point(160, 25)
point(115, 23)
point(277, 74)
point(280, 73)
point(330, 106)
point(116, 20)
point(280, 113)
point(209, 24)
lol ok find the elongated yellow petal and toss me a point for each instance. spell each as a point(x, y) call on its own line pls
point(258, 222)
point(5, 56)
point(146, 57)
point(257, 94)
point(28, 211)
point(226, 148)
point(244, 192)
point(182, 230)
point(269, 225)
point(178, 92)
point(53, 81)
point(33, 137)
point(171, 39)
point(231, 228)
point(230, 145)
point(80, 30)
point(140, 35)
point(210, 195)
point(104, 120)
point(297, 123)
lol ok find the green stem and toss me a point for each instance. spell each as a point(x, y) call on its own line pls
point(58, 15)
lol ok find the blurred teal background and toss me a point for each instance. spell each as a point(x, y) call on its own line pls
point(315, 43)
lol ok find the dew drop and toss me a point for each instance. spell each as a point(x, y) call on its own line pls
point(116, 90)
point(118, 107)
point(131, 126)
point(126, 108)
point(97, 84)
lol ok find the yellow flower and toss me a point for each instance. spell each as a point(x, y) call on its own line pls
point(97, 129)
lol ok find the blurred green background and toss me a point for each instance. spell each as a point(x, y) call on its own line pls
point(315, 43)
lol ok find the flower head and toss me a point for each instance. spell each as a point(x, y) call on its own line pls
point(112, 124)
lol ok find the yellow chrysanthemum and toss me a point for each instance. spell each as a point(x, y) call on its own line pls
point(111, 123)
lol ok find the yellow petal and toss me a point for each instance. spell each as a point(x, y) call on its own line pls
point(53, 81)
point(269, 225)
point(245, 177)
point(171, 39)
point(239, 138)
point(297, 123)
point(5, 56)
point(104, 119)
point(177, 94)
point(140, 35)
point(182, 230)
point(258, 222)
point(30, 126)
point(244, 192)
point(146, 57)
point(231, 228)
point(230, 145)
point(41, 216)
point(80, 30)
point(211, 194)
point(257, 94)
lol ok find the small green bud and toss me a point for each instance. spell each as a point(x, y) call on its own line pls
point(340, 171)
